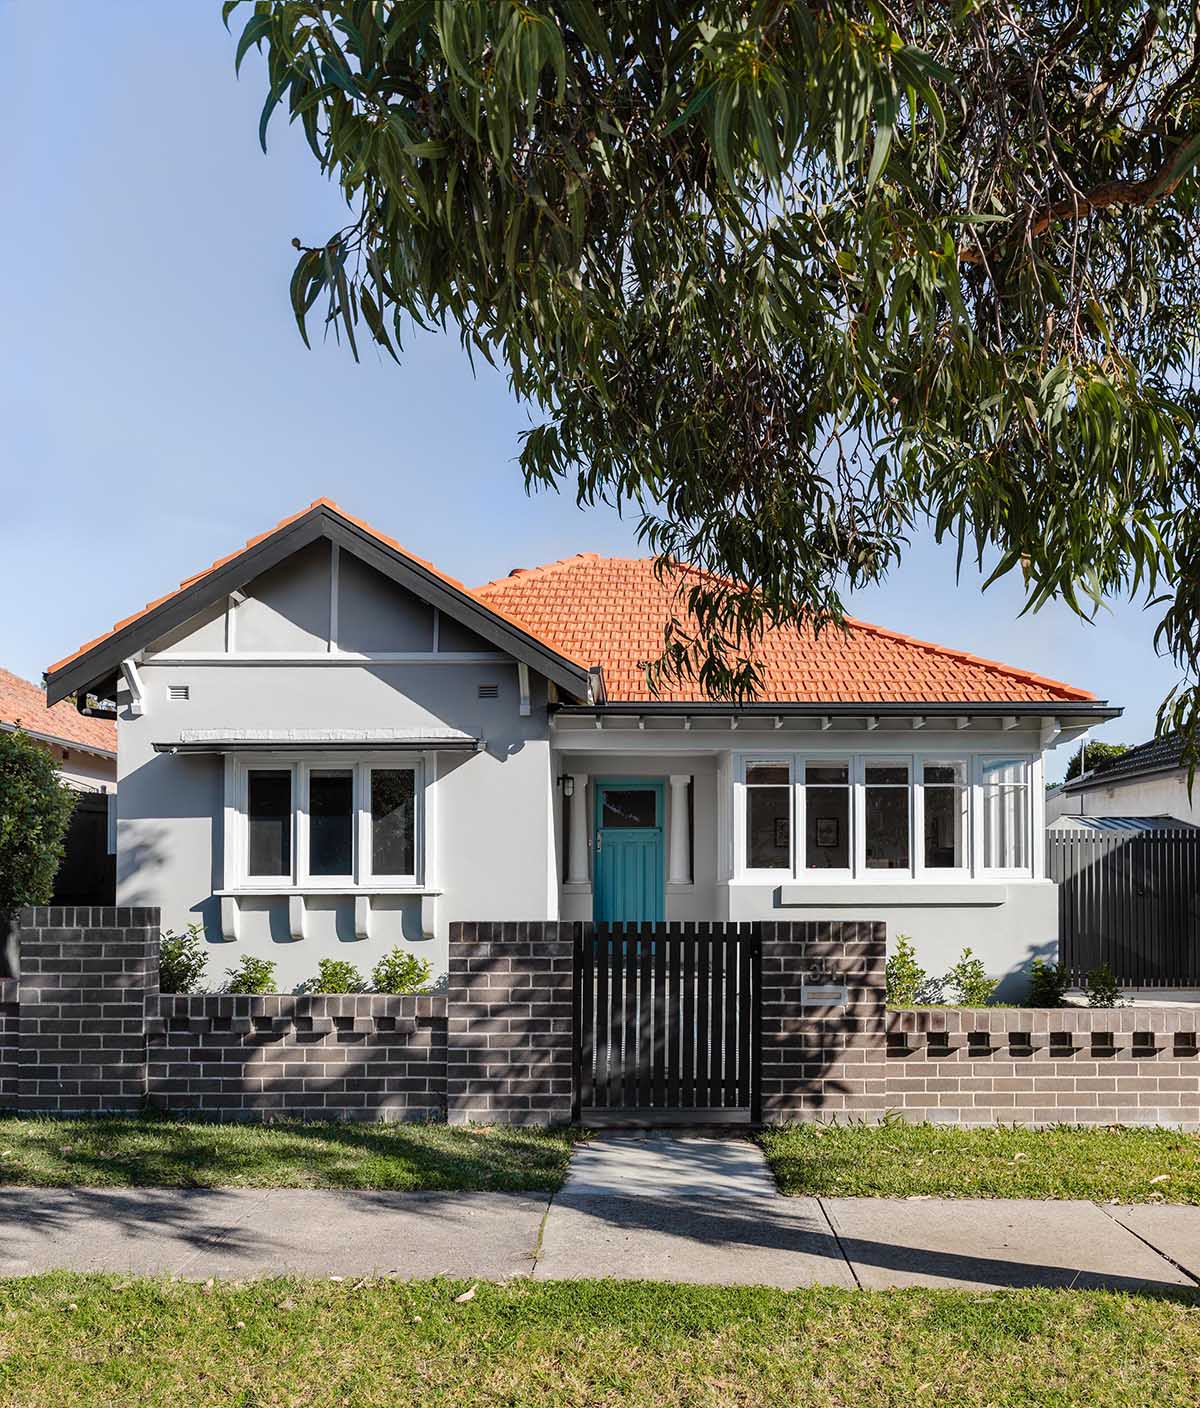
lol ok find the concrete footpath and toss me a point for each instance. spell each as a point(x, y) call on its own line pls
point(658, 1206)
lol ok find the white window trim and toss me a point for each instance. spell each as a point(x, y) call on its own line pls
point(878, 875)
point(974, 871)
point(237, 880)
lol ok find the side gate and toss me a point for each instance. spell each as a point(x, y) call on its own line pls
point(668, 1024)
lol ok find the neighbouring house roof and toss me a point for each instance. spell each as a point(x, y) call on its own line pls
point(99, 658)
point(613, 610)
point(1159, 755)
point(1119, 823)
point(23, 705)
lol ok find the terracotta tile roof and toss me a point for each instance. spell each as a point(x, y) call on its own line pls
point(24, 704)
point(611, 612)
point(283, 523)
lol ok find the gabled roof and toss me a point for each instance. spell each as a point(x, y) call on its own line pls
point(613, 611)
point(1159, 755)
point(99, 658)
point(23, 705)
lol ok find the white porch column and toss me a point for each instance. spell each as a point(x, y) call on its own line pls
point(577, 861)
point(679, 870)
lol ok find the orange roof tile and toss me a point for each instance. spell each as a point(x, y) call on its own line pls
point(24, 705)
point(612, 611)
point(283, 523)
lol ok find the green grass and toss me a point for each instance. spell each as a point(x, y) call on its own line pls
point(84, 1341)
point(897, 1160)
point(153, 1151)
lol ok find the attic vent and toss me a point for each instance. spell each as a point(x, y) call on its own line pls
point(489, 691)
point(180, 693)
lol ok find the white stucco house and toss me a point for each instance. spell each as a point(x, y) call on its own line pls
point(325, 745)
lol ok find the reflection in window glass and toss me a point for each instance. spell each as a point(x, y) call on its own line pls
point(331, 821)
point(1005, 814)
point(827, 816)
point(946, 803)
point(635, 807)
point(768, 816)
point(886, 818)
point(269, 822)
point(392, 813)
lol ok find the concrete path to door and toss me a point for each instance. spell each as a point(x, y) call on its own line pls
point(671, 1207)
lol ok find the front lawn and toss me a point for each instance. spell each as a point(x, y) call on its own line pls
point(898, 1160)
point(153, 1151)
point(84, 1341)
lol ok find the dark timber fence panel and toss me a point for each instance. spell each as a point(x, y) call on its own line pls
point(1130, 901)
point(667, 1022)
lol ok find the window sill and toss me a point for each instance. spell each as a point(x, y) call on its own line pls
point(350, 888)
point(908, 892)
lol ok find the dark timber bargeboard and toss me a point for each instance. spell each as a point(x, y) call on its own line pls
point(667, 1023)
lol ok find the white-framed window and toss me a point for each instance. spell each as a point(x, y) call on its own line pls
point(767, 830)
point(887, 814)
point(1005, 802)
point(324, 823)
point(943, 816)
point(826, 802)
point(880, 817)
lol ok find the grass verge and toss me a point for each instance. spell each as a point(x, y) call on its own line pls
point(897, 1160)
point(87, 1341)
point(152, 1151)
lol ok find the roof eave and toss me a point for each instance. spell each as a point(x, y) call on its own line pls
point(7, 726)
point(1094, 709)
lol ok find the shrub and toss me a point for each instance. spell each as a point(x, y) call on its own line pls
point(1102, 989)
point(908, 984)
point(35, 809)
point(252, 975)
point(1047, 984)
point(399, 972)
point(335, 975)
point(181, 960)
point(969, 982)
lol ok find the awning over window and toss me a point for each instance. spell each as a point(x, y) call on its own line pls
point(251, 740)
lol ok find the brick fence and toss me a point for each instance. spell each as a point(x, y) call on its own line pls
point(85, 1028)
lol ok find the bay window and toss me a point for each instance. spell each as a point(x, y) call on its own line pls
point(879, 817)
point(327, 824)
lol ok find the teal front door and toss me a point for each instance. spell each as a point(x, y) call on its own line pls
point(628, 872)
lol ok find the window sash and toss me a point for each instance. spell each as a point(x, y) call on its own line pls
point(1005, 821)
point(751, 805)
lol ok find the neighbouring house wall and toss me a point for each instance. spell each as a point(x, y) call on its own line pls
point(491, 847)
point(499, 1045)
point(1163, 795)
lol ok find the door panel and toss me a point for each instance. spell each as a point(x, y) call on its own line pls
point(629, 854)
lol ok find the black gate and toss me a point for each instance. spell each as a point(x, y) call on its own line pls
point(668, 1025)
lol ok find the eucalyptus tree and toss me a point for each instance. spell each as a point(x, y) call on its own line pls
point(789, 278)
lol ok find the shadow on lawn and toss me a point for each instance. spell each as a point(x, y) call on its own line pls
point(153, 1151)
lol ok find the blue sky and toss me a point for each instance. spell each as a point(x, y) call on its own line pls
point(159, 407)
